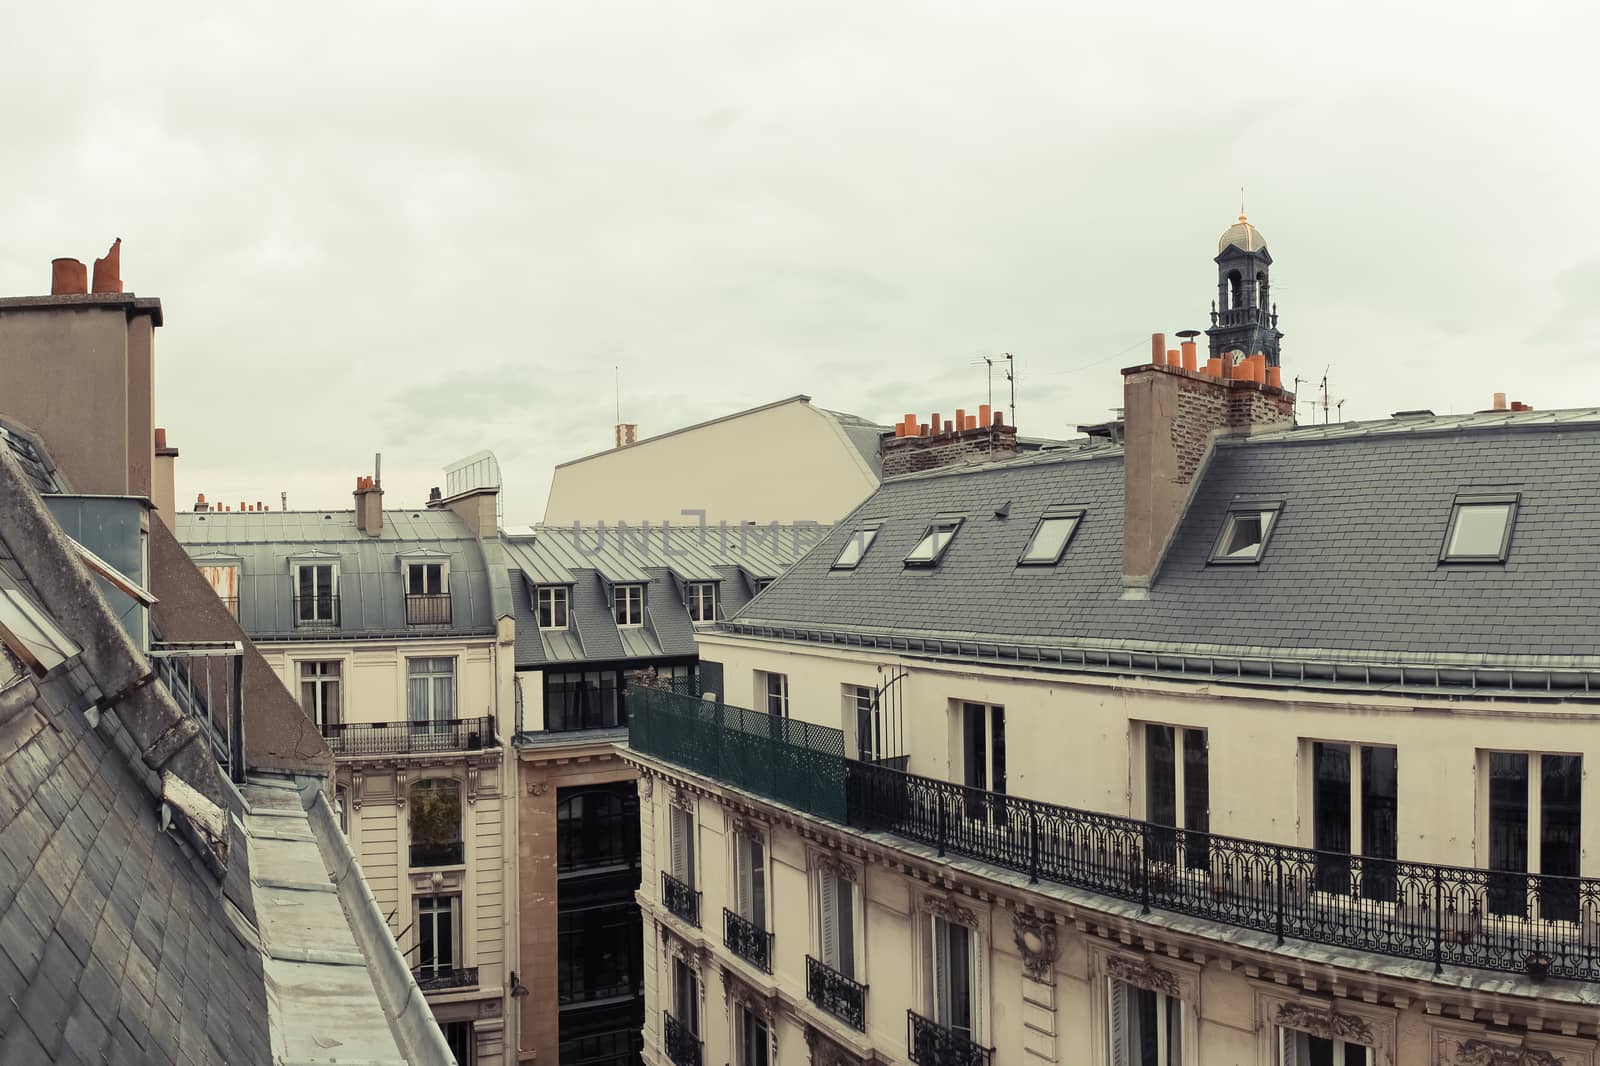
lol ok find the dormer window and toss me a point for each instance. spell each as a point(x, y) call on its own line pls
point(702, 601)
point(1050, 538)
point(627, 602)
point(1245, 533)
point(316, 594)
point(855, 548)
point(553, 606)
point(1480, 529)
point(935, 540)
point(427, 592)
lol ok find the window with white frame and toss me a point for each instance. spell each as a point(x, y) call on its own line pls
point(931, 546)
point(316, 594)
point(320, 691)
point(702, 601)
point(755, 1039)
point(983, 746)
point(427, 578)
point(1177, 791)
point(438, 934)
point(950, 976)
point(1355, 811)
point(680, 831)
point(865, 716)
point(553, 606)
point(1532, 809)
point(750, 877)
point(1050, 537)
point(627, 604)
point(1296, 1048)
point(1146, 1027)
point(1480, 528)
point(1245, 533)
point(855, 549)
point(431, 689)
point(836, 921)
point(775, 690)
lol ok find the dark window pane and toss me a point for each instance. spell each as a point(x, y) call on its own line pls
point(1161, 789)
point(997, 735)
point(1196, 798)
point(1561, 778)
point(1508, 831)
point(1330, 814)
point(1146, 1045)
point(974, 756)
point(1380, 828)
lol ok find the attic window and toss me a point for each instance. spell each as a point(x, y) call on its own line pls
point(1245, 533)
point(935, 540)
point(856, 547)
point(1050, 538)
point(627, 603)
point(1480, 529)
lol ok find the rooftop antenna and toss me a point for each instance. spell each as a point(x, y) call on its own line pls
point(1241, 201)
point(284, 496)
point(1011, 376)
point(617, 369)
point(990, 364)
point(377, 470)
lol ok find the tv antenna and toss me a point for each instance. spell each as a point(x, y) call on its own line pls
point(1011, 376)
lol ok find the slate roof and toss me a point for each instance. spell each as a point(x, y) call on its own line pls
point(1351, 567)
point(371, 581)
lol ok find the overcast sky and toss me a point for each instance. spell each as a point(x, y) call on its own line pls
point(430, 229)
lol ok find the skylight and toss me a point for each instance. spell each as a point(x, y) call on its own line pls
point(856, 547)
point(1244, 534)
point(935, 539)
point(1480, 529)
point(1050, 538)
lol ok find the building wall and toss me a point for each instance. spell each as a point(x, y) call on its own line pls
point(784, 463)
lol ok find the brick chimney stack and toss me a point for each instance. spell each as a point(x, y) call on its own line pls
point(369, 506)
point(974, 438)
point(1173, 415)
point(627, 433)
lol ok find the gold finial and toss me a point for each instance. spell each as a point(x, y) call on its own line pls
point(1241, 203)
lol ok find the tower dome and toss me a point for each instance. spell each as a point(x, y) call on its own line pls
point(1242, 235)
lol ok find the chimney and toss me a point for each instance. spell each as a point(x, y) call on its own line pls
point(200, 502)
point(163, 474)
point(472, 492)
point(1172, 417)
point(108, 269)
point(963, 439)
point(68, 277)
point(369, 506)
point(627, 433)
point(1499, 401)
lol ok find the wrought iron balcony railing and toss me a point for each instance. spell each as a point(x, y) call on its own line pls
point(680, 899)
point(747, 940)
point(423, 856)
point(410, 738)
point(206, 679)
point(837, 994)
point(682, 1046)
point(446, 978)
point(431, 609)
point(931, 1044)
point(316, 612)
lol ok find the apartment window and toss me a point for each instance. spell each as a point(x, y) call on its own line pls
point(224, 579)
point(458, 1038)
point(983, 752)
point(431, 690)
point(750, 878)
point(685, 997)
point(950, 976)
point(1302, 1049)
point(1146, 1027)
point(933, 543)
point(435, 822)
point(866, 717)
point(427, 593)
point(855, 549)
point(1533, 815)
point(627, 605)
point(776, 688)
point(553, 606)
point(319, 691)
point(597, 828)
point(600, 954)
point(589, 700)
point(1177, 792)
point(754, 1038)
point(426, 579)
point(680, 830)
point(1354, 811)
point(1480, 529)
point(1245, 533)
point(316, 594)
point(1050, 538)
point(438, 929)
point(762, 583)
point(836, 921)
point(702, 601)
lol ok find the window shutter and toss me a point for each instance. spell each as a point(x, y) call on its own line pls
point(744, 889)
point(676, 831)
point(845, 904)
point(941, 973)
point(828, 908)
point(1118, 1018)
point(1288, 1041)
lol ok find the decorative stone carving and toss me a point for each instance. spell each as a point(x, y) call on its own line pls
point(1328, 1024)
point(1142, 973)
point(538, 788)
point(1485, 1053)
point(356, 793)
point(949, 910)
point(1036, 941)
point(472, 781)
point(828, 864)
point(647, 787)
point(683, 800)
point(825, 1052)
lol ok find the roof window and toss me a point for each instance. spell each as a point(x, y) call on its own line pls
point(930, 548)
point(851, 554)
point(1245, 533)
point(1050, 538)
point(1480, 529)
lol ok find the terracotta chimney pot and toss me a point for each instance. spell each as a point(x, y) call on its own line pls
point(68, 277)
point(108, 269)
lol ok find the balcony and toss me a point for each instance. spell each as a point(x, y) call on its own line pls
point(682, 1046)
point(446, 978)
point(316, 612)
point(680, 900)
point(747, 940)
point(447, 854)
point(410, 738)
point(1505, 921)
point(931, 1044)
point(206, 680)
point(837, 994)
point(432, 609)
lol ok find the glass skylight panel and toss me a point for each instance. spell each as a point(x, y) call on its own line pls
point(933, 543)
point(856, 547)
point(1049, 539)
point(1480, 529)
point(1244, 535)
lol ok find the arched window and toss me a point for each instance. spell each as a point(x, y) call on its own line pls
point(1235, 290)
point(435, 822)
point(1261, 288)
point(597, 827)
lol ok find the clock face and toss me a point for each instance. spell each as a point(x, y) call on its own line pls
point(1236, 357)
